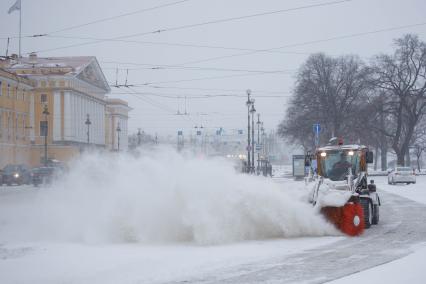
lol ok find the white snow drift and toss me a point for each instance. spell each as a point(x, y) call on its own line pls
point(159, 197)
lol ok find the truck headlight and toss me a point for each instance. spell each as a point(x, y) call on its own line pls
point(16, 175)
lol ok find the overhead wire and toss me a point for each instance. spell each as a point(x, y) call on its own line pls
point(205, 96)
point(209, 78)
point(150, 102)
point(105, 19)
point(120, 16)
point(177, 44)
point(162, 30)
point(215, 89)
point(178, 67)
point(306, 43)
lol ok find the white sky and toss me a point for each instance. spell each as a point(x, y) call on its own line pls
point(156, 114)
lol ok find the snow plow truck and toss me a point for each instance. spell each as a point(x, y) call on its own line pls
point(341, 191)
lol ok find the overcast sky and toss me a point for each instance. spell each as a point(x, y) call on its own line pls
point(200, 71)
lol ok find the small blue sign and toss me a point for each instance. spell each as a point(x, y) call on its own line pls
point(180, 132)
point(317, 128)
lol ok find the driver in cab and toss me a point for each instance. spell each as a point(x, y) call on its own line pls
point(340, 168)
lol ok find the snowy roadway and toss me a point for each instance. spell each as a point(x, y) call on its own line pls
point(401, 231)
point(402, 227)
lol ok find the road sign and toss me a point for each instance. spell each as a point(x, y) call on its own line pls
point(180, 132)
point(259, 147)
point(317, 128)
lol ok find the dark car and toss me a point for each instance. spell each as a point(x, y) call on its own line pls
point(43, 175)
point(16, 174)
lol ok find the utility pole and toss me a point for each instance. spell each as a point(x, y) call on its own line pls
point(88, 123)
point(118, 129)
point(252, 111)
point(258, 143)
point(248, 103)
point(46, 131)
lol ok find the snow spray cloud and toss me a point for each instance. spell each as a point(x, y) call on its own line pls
point(159, 197)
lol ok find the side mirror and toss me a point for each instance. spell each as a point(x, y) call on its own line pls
point(369, 157)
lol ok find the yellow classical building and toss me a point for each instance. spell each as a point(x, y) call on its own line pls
point(15, 100)
point(65, 98)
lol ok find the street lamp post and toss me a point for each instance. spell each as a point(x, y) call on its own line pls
point(258, 143)
point(118, 129)
point(252, 111)
point(262, 129)
point(248, 103)
point(88, 123)
point(139, 136)
point(45, 113)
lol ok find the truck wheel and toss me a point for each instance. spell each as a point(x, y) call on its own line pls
point(368, 212)
point(376, 214)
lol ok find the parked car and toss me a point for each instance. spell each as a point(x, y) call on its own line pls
point(16, 174)
point(43, 175)
point(401, 175)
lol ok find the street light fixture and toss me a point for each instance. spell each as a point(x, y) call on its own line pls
point(118, 129)
point(45, 132)
point(88, 123)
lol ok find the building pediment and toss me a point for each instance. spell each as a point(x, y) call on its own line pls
point(92, 74)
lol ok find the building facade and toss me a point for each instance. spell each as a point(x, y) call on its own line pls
point(116, 135)
point(15, 99)
point(66, 109)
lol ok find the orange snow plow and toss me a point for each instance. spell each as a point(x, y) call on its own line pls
point(341, 191)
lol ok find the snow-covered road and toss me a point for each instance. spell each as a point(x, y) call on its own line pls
point(402, 226)
point(401, 231)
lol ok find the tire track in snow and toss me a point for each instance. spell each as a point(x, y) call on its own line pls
point(402, 225)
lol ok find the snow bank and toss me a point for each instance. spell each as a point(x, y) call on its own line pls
point(159, 197)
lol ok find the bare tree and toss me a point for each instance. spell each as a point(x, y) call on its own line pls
point(402, 78)
point(329, 91)
point(419, 141)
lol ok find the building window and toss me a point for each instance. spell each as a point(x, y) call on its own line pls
point(8, 90)
point(43, 98)
point(43, 128)
point(9, 126)
point(23, 94)
point(25, 127)
point(17, 126)
point(1, 88)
